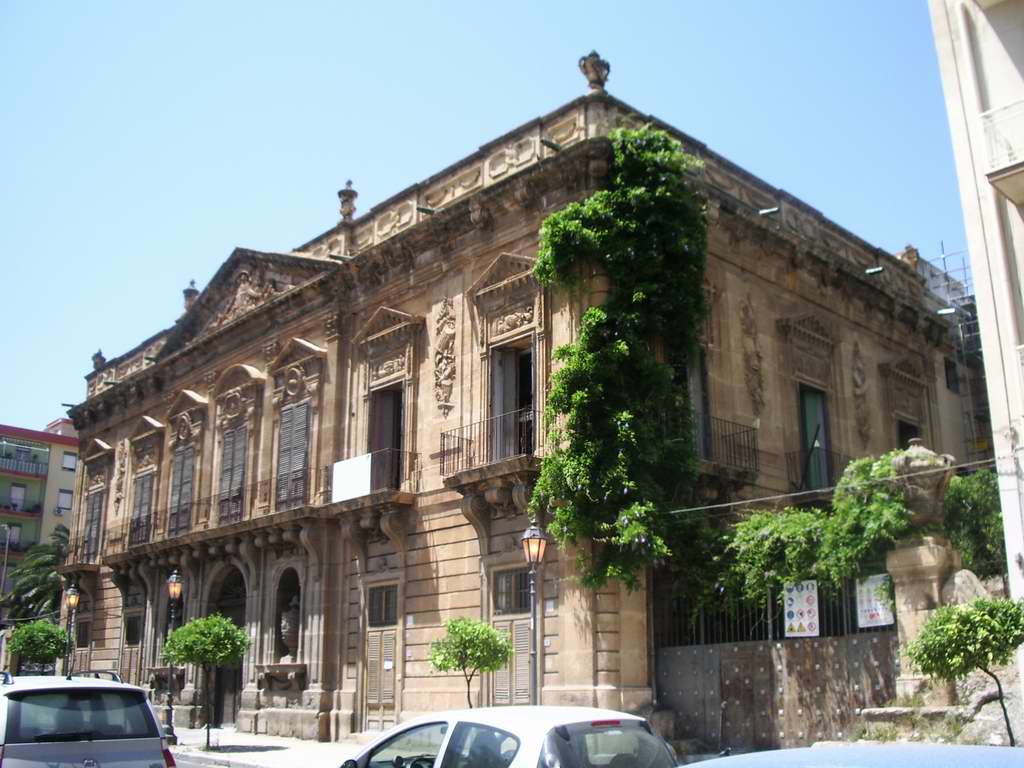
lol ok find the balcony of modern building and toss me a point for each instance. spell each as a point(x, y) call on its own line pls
point(21, 497)
point(1004, 148)
point(22, 458)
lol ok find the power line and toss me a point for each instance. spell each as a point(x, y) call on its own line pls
point(819, 491)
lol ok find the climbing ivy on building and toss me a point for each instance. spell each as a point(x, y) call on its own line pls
point(623, 453)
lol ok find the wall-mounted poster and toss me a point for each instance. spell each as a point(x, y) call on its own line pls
point(874, 607)
point(801, 610)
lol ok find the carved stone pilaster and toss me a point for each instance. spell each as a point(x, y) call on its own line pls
point(444, 356)
point(862, 415)
point(752, 360)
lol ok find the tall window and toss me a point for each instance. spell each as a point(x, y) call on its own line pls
point(383, 606)
point(17, 497)
point(292, 456)
point(179, 518)
point(511, 402)
point(905, 432)
point(93, 521)
point(64, 501)
point(69, 461)
point(386, 415)
point(142, 509)
point(232, 475)
point(814, 441)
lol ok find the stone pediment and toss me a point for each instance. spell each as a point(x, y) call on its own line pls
point(508, 271)
point(296, 350)
point(185, 401)
point(808, 330)
point(245, 282)
point(97, 448)
point(146, 426)
point(385, 322)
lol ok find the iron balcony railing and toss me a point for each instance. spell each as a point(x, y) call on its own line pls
point(810, 470)
point(726, 443)
point(140, 529)
point(390, 470)
point(491, 440)
point(22, 507)
point(22, 466)
point(85, 547)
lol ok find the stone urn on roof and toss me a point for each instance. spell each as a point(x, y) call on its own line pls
point(596, 70)
point(924, 477)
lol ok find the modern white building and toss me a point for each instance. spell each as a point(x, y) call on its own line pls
point(980, 46)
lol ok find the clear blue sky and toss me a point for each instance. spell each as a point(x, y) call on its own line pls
point(141, 142)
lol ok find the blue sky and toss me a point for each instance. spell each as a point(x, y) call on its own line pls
point(139, 143)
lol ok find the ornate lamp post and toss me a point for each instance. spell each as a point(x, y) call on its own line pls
point(534, 543)
point(173, 595)
point(72, 595)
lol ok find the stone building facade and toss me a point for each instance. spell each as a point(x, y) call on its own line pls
point(335, 446)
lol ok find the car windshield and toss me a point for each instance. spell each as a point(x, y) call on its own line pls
point(609, 744)
point(78, 715)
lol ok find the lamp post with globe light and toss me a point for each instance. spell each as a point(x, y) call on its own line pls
point(534, 542)
point(173, 595)
point(73, 596)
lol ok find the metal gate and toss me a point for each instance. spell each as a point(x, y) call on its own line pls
point(733, 679)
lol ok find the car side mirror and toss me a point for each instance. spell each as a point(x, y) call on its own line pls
point(350, 764)
point(398, 762)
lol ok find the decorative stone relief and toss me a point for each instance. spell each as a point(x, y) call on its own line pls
point(297, 372)
point(251, 290)
point(507, 299)
point(387, 339)
point(120, 472)
point(395, 220)
point(752, 356)
point(145, 454)
point(860, 395)
point(444, 356)
point(479, 215)
point(96, 473)
point(453, 188)
point(512, 157)
point(810, 345)
point(906, 389)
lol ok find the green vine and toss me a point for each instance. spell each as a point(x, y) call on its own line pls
point(624, 452)
point(770, 548)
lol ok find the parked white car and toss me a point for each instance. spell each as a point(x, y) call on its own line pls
point(519, 737)
point(78, 723)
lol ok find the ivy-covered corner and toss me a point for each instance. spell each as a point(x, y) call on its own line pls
point(622, 450)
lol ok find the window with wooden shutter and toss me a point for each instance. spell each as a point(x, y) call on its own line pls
point(142, 505)
point(293, 448)
point(373, 668)
point(521, 662)
point(387, 672)
point(180, 512)
point(93, 520)
point(232, 475)
point(512, 683)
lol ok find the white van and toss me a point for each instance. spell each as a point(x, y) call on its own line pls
point(78, 723)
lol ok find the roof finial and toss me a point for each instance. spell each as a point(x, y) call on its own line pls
point(596, 70)
point(98, 360)
point(190, 294)
point(347, 196)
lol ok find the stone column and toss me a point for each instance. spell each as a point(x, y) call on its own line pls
point(919, 565)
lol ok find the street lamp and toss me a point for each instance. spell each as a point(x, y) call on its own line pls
point(534, 543)
point(73, 596)
point(173, 594)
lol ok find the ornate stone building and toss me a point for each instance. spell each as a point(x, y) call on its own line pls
point(335, 446)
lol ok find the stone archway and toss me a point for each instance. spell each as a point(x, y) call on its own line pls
point(228, 599)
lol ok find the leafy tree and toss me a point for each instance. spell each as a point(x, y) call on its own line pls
point(867, 516)
point(210, 642)
point(958, 639)
point(470, 646)
point(623, 451)
point(35, 584)
point(974, 522)
point(39, 642)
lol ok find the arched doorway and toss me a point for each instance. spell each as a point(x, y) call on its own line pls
point(229, 601)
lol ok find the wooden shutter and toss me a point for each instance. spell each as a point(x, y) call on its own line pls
point(238, 470)
point(284, 454)
point(188, 465)
point(387, 675)
point(373, 668)
point(227, 458)
point(147, 496)
point(300, 450)
point(521, 662)
point(137, 502)
point(503, 678)
point(176, 478)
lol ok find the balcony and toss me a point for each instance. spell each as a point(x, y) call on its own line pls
point(384, 470)
point(22, 466)
point(140, 529)
point(490, 441)
point(84, 549)
point(1004, 144)
point(815, 469)
point(28, 508)
point(726, 443)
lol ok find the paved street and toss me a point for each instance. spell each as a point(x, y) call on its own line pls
point(246, 750)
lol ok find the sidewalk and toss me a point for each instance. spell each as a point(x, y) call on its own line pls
point(247, 750)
